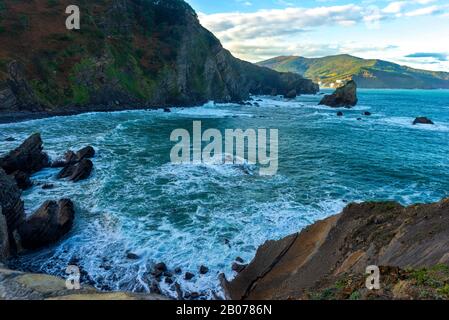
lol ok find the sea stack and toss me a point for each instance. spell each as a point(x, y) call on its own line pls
point(345, 96)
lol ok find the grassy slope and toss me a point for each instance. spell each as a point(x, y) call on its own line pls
point(367, 73)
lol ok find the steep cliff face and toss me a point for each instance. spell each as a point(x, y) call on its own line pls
point(134, 52)
point(338, 250)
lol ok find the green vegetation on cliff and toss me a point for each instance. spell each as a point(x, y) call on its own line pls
point(367, 73)
point(127, 52)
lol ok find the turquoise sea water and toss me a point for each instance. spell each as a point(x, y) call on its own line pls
point(188, 215)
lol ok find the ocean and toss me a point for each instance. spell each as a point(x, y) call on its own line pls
point(201, 214)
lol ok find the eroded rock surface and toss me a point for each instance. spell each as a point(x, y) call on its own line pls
point(383, 234)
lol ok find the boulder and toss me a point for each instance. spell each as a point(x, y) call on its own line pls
point(28, 157)
point(85, 153)
point(77, 172)
point(70, 157)
point(422, 120)
point(47, 225)
point(345, 96)
point(340, 114)
point(204, 270)
point(291, 94)
point(160, 267)
point(367, 113)
point(25, 160)
point(189, 276)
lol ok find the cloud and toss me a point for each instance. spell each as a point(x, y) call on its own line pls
point(395, 7)
point(426, 11)
point(279, 22)
point(433, 55)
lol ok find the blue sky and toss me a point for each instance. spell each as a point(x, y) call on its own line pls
point(410, 32)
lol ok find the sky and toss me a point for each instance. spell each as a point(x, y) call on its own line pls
point(407, 32)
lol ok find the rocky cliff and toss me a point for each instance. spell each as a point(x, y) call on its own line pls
point(329, 258)
point(128, 53)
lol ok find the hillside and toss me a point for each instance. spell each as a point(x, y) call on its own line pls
point(128, 53)
point(367, 73)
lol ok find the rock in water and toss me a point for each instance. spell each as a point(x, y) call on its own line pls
point(48, 224)
point(422, 120)
point(28, 157)
point(291, 94)
point(345, 96)
point(204, 270)
point(339, 114)
point(77, 172)
point(82, 170)
point(85, 153)
point(10, 201)
point(70, 157)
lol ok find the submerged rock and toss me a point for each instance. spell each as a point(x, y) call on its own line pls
point(162, 267)
point(204, 270)
point(132, 256)
point(189, 276)
point(366, 113)
point(345, 96)
point(422, 120)
point(48, 224)
point(339, 114)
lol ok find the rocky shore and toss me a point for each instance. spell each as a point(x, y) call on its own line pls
point(328, 259)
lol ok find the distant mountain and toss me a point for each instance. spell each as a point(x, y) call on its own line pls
point(371, 73)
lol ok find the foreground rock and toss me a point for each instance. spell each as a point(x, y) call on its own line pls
point(25, 160)
point(15, 285)
point(382, 234)
point(10, 202)
point(345, 96)
point(422, 120)
point(47, 225)
point(4, 238)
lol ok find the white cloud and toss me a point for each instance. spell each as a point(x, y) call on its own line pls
point(395, 7)
point(271, 23)
point(425, 11)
